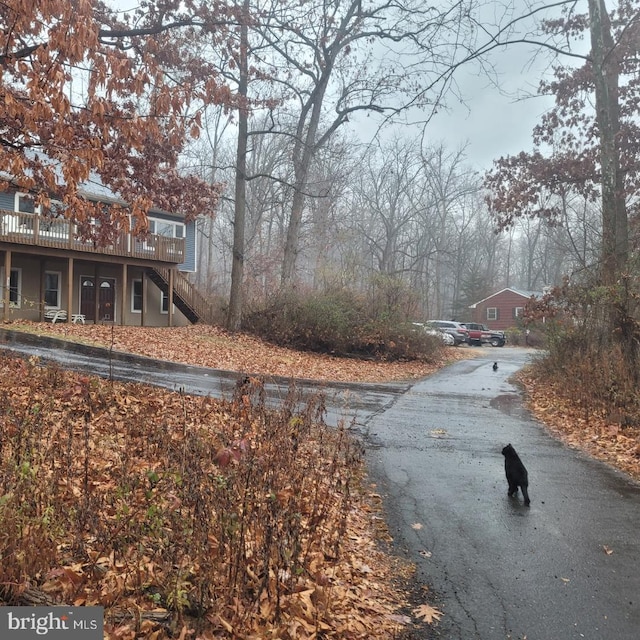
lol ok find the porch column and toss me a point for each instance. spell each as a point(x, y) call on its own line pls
point(171, 284)
point(70, 289)
point(123, 301)
point(42, 302)
point(96, 281)
point(7, 284)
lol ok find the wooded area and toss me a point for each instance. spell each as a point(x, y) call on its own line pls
point(167, 103)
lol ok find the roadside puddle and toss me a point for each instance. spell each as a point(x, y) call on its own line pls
point(511, 404)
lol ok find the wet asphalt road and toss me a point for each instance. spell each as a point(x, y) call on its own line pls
point(497, 569)
point(354, 403)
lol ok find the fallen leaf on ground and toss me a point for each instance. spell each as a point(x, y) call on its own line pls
point(209, 346)
point(427, 613)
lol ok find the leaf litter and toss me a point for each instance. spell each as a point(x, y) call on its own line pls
point(211, 346)
point(593, 430)
point(189, 517)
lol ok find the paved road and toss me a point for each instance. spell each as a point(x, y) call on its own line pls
point(497, 569)
point(356, 403)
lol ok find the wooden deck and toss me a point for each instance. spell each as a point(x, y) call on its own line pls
point(59, 233)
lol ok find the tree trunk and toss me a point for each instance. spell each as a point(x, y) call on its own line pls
point(303, 152)
point(234, 315)
point(619, 325)
point(290, 255)
point(615, 233)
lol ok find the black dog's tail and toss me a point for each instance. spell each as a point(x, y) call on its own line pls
point(525, 494)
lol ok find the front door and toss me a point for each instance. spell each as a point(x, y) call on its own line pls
point(106, 298)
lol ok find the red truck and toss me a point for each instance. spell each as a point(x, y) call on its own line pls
point(480, 334)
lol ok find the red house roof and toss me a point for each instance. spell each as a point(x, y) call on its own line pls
point(519, 292)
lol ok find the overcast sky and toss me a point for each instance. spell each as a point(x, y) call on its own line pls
point(491, 123)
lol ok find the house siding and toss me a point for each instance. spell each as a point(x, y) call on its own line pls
point(7, 200)
point(33, 261)
point(505, 303)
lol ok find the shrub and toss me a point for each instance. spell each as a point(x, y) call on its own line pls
point(519, 337)
point(595, 367)
point(181, 515)
point(339, 322)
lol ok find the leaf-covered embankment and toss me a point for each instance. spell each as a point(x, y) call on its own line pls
point(210, 346)
point(572, 414)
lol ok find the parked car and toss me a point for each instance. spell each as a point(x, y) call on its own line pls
point(447, 338)
point(456, 330)
point(480, 334)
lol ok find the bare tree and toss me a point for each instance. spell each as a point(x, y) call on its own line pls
point(234, 315)
point(347, 57)
point(386, 211)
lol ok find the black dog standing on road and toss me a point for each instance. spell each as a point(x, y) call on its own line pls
point(495, 366)
point(517, 475)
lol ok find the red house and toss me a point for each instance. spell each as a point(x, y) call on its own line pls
point(504, 309)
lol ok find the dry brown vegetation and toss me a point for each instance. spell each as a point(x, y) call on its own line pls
point(209, 346)
point(186, 516)
point(193, 517)
point(575, 402)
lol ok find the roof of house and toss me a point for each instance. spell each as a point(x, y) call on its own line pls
point(520, 292)
point(92, 189)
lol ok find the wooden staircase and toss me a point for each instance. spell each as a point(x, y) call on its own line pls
point(186, 297)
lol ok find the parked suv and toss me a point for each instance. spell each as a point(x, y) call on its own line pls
point(457, 330)
point(446, 338)
point(481, 334)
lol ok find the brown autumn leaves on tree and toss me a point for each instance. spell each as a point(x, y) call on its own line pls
point(87, 90)
point(594, 140)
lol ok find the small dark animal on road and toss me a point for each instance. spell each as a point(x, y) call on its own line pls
point(517, 475)
point(495, 366)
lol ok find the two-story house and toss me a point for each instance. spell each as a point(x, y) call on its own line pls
point(45, 268)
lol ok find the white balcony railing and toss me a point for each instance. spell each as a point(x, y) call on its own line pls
point(31, 229)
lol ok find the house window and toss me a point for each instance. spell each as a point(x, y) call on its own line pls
point(52, 280)
point(136, 297)
point(518, 312)
point(166, 228)
point(24, 203)
point(164, 302)
point(15, 288)
point(492, 313)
